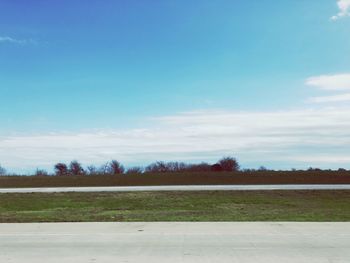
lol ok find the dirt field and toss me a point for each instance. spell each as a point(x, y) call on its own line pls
point(211, 178)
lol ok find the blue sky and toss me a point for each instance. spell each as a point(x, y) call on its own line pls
point(122, 79)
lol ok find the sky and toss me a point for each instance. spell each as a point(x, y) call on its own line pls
point(265, 81)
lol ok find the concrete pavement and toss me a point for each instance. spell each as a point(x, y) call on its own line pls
point(178, 188)
point(245, 242)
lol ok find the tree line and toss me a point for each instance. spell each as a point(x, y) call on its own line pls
point(74, 168)
point(225, 164)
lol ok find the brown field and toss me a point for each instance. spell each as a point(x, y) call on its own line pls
point(209, 178)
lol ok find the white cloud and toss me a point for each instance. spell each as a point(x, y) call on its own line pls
point(333, 98)
point(7, 39)
point(253, 137)
point(325, 158)
point(344, 9)
point(299, 138)
point(330, 82)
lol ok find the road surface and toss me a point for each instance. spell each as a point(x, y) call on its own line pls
point(230, 242)
point(177, 188)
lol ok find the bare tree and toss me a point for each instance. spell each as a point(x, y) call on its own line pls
point(311, 169)
point(75, 168)
point(176, 166)
point(262, 169)
point(41, 172)
point(229, 164)
point(134, 170)
point(2, 171)
point(92, 170)
point(104, 169)
point(201, 167)
point(61, 169)
point(157, 167)
point(216, 167)
point(116, 168)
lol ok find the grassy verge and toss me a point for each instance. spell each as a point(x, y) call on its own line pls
point(177, 206)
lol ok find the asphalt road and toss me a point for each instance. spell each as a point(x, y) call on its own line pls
point(175, 242)
point(177, 188)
